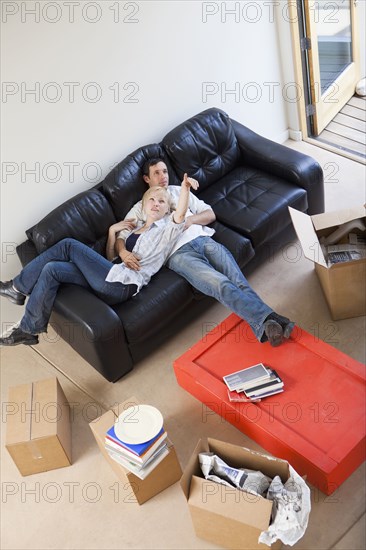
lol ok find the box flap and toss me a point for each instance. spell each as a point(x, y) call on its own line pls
point(192, 467)
point(242, 457)
point(332, 219)
point(17, 414)
point(308, 238)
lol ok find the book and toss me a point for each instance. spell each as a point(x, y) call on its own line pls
point(274, 382)
point(263, 395)
point(236, 397)
point(141, 460)
point(141, 473)
point(139, 449)
point(244, 378)
point(345, 253)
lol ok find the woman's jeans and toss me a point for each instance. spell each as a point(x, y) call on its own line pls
point(68, 261)
point(209, 267)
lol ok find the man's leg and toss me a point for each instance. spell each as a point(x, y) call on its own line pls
point(223, 261)
point(193, 262)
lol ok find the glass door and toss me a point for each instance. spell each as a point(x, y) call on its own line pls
point(332, 54)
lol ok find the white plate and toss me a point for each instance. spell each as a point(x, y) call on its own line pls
point(138, 424)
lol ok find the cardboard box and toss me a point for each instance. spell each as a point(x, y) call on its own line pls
point(343, 283)
point(167, 472)
point(227, 516)
point(38, 430)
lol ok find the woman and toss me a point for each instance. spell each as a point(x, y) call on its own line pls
point(70, 261)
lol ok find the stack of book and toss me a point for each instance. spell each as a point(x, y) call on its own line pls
point(253, 383)
point(140, 459)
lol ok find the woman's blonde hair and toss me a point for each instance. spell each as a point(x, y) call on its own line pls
point(160, 191)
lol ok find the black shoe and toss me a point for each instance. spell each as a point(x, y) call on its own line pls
point(287, 325)
point(19, 337)
point(274, 332)
point(7, 290)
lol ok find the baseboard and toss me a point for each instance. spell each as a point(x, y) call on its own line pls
point(295, 135)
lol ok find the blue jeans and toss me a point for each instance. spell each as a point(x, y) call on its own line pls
point(209, 267)
point(68, 261)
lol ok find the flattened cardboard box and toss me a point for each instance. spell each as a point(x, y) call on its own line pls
point(38, 430)
point(167, 472)
point(343, 283)
point(227, 516)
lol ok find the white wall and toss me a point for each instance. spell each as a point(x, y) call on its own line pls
point(162, 52)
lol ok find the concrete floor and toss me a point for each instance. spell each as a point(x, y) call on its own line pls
point(85, 507)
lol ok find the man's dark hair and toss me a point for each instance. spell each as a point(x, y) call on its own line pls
point(151, 162)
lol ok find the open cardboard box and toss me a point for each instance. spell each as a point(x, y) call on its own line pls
point(227, 516)
point(38, 430)
point(167, 472)
point(343, 283)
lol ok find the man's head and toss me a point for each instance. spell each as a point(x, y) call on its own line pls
point(155, 172)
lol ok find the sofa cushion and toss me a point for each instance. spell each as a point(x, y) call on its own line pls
point(124, 185)
point(254, 203)
point(155, 306)
point(85, 217)
point(204, 146)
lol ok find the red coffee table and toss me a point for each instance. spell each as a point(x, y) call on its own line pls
point(317, 423)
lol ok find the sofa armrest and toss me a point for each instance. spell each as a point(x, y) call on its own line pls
point(239, 246)
point(283, 162)
point(26, 252)
point(88, 324)
point(93, 329)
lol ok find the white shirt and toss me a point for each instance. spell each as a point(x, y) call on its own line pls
point(152, 248)
point(195, 206)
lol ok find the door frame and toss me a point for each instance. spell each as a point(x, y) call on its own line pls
point(307, 110)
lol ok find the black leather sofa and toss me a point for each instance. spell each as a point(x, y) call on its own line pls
point(248, 180)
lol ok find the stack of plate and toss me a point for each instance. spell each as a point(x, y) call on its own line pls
point(138, 440)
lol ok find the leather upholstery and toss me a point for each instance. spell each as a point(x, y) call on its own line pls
point(205, 146)
point(248, 180)
point(252, 204)
point(85, 217)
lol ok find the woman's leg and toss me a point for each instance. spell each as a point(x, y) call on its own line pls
point(68, 261)
point(68, 250)
point(42, 297)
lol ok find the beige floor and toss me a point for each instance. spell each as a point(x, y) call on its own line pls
point(41, 511)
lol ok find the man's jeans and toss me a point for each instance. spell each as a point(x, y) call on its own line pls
point(209, 267)
point(68, 261)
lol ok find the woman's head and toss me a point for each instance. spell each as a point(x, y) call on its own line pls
point(156, 201)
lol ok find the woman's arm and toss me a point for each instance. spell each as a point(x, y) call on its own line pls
point(182, 206)
point(112, 231)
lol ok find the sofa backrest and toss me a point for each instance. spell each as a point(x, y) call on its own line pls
point(85, 217)
point(204, 146)
point(124, 185)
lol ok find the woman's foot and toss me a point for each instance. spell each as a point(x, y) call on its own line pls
point(8, 291)
point(274, 332)
point(17, 336)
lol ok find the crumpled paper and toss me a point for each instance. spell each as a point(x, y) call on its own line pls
point(290, 512)
point(291, 501)
point(251, 481)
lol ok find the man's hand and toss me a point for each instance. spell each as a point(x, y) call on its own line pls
point(129, 223)
point(190, 182)
point(130, 260)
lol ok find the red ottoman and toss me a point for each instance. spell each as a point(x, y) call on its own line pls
point(317, 424)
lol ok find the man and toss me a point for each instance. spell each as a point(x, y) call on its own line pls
point(207, 265)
